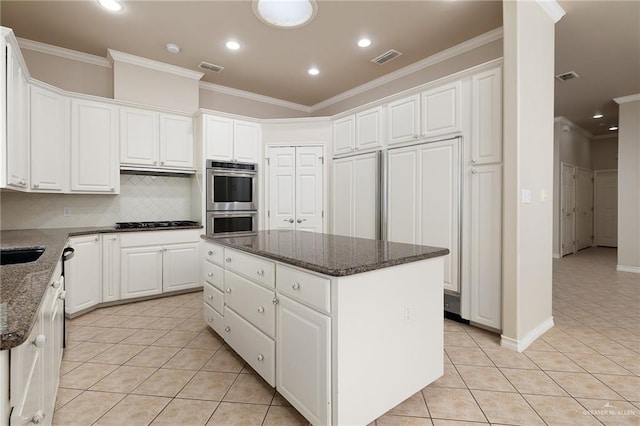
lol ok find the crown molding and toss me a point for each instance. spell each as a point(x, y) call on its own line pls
point(564, 120)
point(114, 55)
point(625, 99)
point(481, 40)
point(74, 55)
point(553, 9)
point(253, 96)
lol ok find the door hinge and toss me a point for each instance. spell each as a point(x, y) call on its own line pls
point(268, 161)
point(268, 213)
point(322, 213)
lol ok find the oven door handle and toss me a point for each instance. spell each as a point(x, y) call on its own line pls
point(227, 173)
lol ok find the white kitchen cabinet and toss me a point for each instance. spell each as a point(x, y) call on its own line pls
point(404, 120)
point(17, 101)
point(344, 135)
point(361, 131)
point(110, 267)
point(176, 141)
point(296, 188)
point(83, 274)
point(423, 200)
point(485, 244)
point(486, 117)
point(441, 110)
point(49, 154)
point(139, 137)
point(141, 271)
point(53, 329)
point(94, 147)
point(303, 362)
point(180, 266)
point(226, 139)
point(355, 195)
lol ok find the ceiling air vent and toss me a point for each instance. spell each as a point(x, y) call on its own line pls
point(567, 76)
point(386, 57)
point(210, 67)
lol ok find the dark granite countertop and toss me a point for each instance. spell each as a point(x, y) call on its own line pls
point(22, 286)
point(328, 254)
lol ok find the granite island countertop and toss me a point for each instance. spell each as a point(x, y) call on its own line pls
point(328, 254)
point(23, 285)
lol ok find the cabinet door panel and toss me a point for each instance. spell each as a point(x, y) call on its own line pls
point(344, 135)
point(441, 110)
point(343, 191)
point(486, 135)
point(365, 196)
point(180, 267)
point(402, 197)
point(141, 271)
point(246, 138)
point(138, 137)
point(17, 165)
point(176, 141)
point(369, 129)
point(404, 120)
point(304, 360)
point(110, 267)
point(83, 274)
point(218, 134)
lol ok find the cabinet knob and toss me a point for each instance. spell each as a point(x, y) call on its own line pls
point(261, 309)
point(227, 329)
point(473, 161)
point(40, 341)
point(36, 185)
point(56, 283)
point(210, 253)
point(228, 260)
point(228, 290)
point(260, 357)
point(210, 297)
point(162, 163)
point(210, 274)
point(416, 136)
point(295, 286)
point(155, 162)
point(210, 319)
point(474, 171)
point(23, 182)
point(38, 417)
point(274, 301)
point(63, 295)
point(112, 189)
point(260, 272)
point(96, 239)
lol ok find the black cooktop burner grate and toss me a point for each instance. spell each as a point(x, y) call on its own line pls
point(159, 224)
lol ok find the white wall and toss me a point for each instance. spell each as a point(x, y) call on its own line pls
point(528, 164)
point(142, 198)
point(604, 153)
point(629, 186)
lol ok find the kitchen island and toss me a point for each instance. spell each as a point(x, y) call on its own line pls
point(344, 328)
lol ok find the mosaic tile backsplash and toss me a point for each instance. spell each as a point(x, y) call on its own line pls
point(142, 198)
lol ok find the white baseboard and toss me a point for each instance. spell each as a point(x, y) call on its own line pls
point(522, 344)
point(625, 268)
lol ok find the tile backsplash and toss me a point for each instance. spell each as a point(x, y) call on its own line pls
point(141, 198)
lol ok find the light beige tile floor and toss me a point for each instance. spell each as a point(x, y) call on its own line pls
point(155, 362)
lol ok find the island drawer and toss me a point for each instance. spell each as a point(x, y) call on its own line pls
point(251, 344)
point(311, 289)
point(213, 319)
point(252, 267)
point(252, 301)
point(213, 253)
point(214, 297)
point(213, 274)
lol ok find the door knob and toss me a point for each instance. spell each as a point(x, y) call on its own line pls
point(290, 220)
point(301, 220)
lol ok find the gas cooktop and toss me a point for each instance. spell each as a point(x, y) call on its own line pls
point(159, 224)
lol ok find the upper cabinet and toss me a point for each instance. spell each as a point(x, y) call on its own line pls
point(155, 140)
point(404, 120)
point(441, 110)
point(94, 147)
point(486, 117)
point(17, 101)
point(226, 139)
point(362, 131)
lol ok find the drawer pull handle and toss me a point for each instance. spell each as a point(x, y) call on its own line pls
point(228, 290)
point(228, 260)
point(210, 253)
point(295, 286)
point(210, 274)
point(261, 309)
point(38, 417)
point(260, 357)
point(210, 297)
point(227, 329)
point(40, 341)
point(210, 319)
point(260, 272)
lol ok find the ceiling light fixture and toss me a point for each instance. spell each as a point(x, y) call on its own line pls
point(597, 115)
point(364, 42)
point(173, 48)
point(285, 13)
point(112, 5)
point(313, 71)
point(232, 45)
point(614, 127)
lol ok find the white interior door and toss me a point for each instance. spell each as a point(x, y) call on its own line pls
point(282, 187)
point(309, 184)
point(606, 208)
point(584, 208)
point(568, 210)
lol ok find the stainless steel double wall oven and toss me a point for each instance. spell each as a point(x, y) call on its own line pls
point(232, 198)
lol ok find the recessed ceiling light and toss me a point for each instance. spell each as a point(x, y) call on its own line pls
point(364, 42)
point(612, 128)
point(285, 13)
point(112, 5)
point(173, 48)
point(232, 45)
point(598, 115)
point(314, 71)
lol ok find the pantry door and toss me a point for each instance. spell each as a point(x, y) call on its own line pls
point(584, 208)
point(606, 207)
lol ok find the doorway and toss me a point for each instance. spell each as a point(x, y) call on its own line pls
point(606, 208)
point(577, 209)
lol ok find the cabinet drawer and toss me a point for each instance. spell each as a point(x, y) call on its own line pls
point(214, 297)
point(307, 288)
point(251, 344)
point(213, 319)
point(252, 301)
point(213, 253)
point(252, 267)
point(213, 274)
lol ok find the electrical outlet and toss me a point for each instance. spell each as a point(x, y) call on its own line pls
point(66, 211)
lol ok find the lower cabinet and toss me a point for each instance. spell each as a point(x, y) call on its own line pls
point(180, 266)
point(141, 271)
point(83, 274)
point(110, 267)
